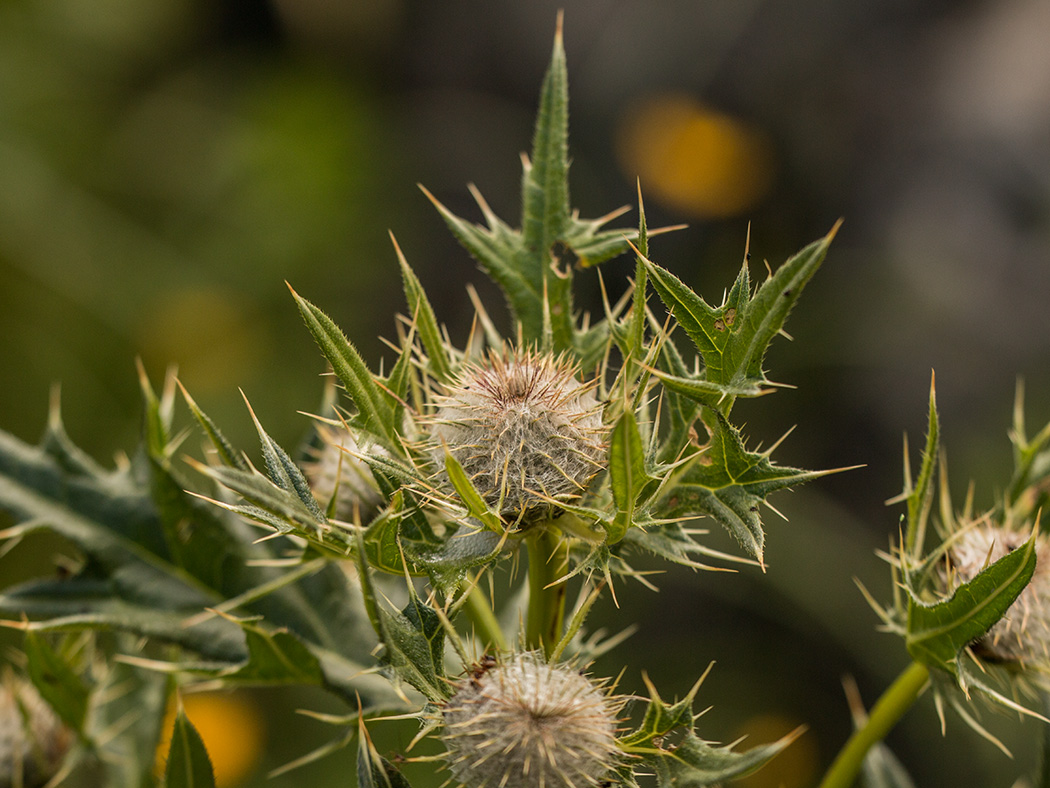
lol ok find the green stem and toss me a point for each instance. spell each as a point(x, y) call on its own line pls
point(548, 560)
point(479, 609)
point(896, 700)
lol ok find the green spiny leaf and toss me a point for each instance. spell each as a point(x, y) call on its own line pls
point(704, 392)
point(411, 639)
point(466, 549)
point(732, 338)
point(937, 633)
point(661, 718)
point(545, 189)
point(374, 410)
point(495, 248)
point(131, 581)
point(627, 474)
point(545, 203)
point(695, 762)
point(768, 309)
point(373, 770)
point(227, 454)
point(422, 314)
point(283, 472)
point(920, 495)
point(729, 483)
point(188, 763)
point(277, 657)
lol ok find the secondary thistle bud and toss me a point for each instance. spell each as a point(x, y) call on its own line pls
point(334, 469)
point(528, 724)
point(1022, 635)
point(33, 741)
point(525, 431)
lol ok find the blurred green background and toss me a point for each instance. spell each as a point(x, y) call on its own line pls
point(165, 166)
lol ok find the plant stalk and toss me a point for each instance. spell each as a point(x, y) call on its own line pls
point(896, 700)
point(548, 561)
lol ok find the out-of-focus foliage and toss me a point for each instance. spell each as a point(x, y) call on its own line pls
point(164, 165)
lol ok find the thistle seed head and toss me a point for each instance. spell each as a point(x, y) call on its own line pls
point(1022, 636)
point(333, 469)
point(33, 740)
point(527, 724)
point(525, 431)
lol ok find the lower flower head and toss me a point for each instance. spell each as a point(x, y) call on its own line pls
point(528, 724)
point(526, 432)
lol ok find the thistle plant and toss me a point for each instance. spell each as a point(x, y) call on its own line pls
point(434, 548)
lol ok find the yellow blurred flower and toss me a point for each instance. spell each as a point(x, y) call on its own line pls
point(694, 159)
point(795, 767)
point(231, 728)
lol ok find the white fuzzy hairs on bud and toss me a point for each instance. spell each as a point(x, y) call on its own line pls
point(526, 432)
point(526, 724)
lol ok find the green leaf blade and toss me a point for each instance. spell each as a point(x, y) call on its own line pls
point(425, 321)
point(627, 473)
point(374, 411)
point(189, 765)
point(373, 770)
point(545, 185)
point(937, 633)
point(767, 311)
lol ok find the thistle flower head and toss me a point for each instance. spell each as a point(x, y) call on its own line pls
point(1022, 636)
point(525, 430)
point(334, 469)
point(33, 740)
point(526, 723)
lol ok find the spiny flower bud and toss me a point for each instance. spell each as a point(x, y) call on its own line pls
point(1023, 634)
point(33, 740)
point(333, 469)
point(528, 724)
point(525, 431)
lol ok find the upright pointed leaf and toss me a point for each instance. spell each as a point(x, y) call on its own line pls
point(375, 412)
point(424, 319)
point(919, 494)
point(732, 338)
point(223, 448)
point(627, 474)
point(545, 187)
point(284, 472)
point(373, 770)
point(495, 248)
point(189, 765)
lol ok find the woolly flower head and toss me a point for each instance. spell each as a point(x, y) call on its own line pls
point(528, 724)
point(1022, 636)
point(526, 432)
point(33, 741)
point(333, 468)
